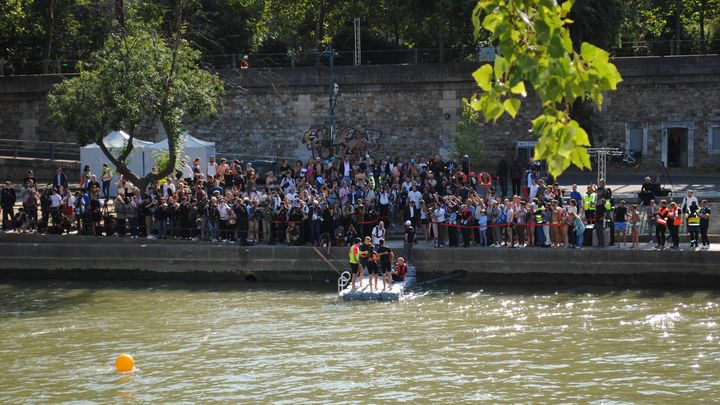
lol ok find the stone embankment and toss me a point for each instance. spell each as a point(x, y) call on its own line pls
point(72, 257)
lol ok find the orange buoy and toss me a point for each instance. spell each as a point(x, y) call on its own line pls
point(124, 362)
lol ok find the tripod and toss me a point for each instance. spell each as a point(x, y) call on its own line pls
point(663, 171)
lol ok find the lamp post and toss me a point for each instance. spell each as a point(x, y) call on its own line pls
point(332, 95)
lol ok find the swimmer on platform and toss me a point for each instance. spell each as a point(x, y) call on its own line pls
point(386, 256)
point(354, 255)
point(366, 252)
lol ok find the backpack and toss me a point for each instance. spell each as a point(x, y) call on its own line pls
point(503, 217)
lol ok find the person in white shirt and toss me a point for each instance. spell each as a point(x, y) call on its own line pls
point(687, 202)
point(187, 172)
point(291, 196)
point(441, 229)
point(212, 167)
point(168, 187)
point(56, 201)
point(378, 233)
point(415, 195)
point(533, 190)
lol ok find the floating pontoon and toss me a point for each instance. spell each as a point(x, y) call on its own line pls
point(394, 293)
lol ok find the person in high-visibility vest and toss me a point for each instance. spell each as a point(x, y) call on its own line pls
point(354, 258)
point(673, 223)
point(693, 223)
point(704, 223)
point(589, 205)
point(661, 224)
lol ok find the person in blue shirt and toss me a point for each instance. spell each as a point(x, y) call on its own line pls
point(575, 195)
point(482, 223)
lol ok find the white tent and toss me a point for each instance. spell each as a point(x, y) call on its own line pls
point(190, 149)
point(116, 140)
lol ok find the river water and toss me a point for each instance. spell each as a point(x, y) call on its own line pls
point(240, 343)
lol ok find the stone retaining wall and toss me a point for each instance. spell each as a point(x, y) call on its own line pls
point(27, 256)
point(389, 110)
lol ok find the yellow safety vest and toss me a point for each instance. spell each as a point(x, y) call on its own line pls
point(538, 217)
point(371, 180)
point(693, 221)
point(589, 202)
point(354, 256)
point(608, 206)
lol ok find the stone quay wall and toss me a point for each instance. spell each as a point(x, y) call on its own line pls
point(46, 256)
point(389, 110)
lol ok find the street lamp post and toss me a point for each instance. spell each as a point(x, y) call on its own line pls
point(332, 95)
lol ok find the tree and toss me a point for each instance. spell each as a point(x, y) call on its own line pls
point(536, 49)
point(137, 75)
point(467, 140)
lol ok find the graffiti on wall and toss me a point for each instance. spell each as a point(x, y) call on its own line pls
point(349, 142)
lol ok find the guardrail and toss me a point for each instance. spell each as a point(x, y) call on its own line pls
point(371, 57)
point(19, 148)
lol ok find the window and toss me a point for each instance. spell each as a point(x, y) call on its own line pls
point(635, 139)
point(714, 139)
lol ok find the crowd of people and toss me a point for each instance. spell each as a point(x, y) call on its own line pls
point(335, 201)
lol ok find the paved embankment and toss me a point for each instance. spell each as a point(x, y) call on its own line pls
point(44, 256)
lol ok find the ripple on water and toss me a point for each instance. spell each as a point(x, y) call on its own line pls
point(501, 344)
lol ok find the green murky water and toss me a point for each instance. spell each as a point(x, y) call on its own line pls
point(200, 343)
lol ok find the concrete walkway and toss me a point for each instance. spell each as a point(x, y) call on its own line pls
point(626, 186)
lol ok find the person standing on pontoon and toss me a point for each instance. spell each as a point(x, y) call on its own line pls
point(386, 257)
point(354, 256)
point(366, 252)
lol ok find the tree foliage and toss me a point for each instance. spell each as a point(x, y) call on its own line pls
point(537, 51)
point(79, 27)
point(467, 139)
point(137, 75)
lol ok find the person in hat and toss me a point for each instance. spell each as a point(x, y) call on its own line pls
point(409, 241)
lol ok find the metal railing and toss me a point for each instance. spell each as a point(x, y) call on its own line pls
point(19, 148)
point(271, 60)
point(666, 48)
point(370, 57)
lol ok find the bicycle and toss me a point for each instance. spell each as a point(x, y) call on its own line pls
point(632, 158)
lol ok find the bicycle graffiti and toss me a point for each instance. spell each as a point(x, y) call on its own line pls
point(349, 142)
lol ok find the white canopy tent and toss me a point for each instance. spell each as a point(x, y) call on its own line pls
point(190, 149)
point(93, 156)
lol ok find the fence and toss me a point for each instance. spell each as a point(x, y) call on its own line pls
point(19, 148)
point(370, 57)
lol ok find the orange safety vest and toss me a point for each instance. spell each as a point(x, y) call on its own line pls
point(662, 216)
point(677, 218)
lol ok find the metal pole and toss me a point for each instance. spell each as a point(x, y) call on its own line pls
point(331, 96)
point(357, 56)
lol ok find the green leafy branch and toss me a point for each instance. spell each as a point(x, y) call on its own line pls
point(536, 51)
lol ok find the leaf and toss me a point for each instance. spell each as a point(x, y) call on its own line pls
point(592, 53)
point(501, 66)
point(519, 89)
point(494, 108)
point(489, 22)
point(556, 46)
point(557, 164)
point(511, 105)
point(565, 7)
point(483, 77)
